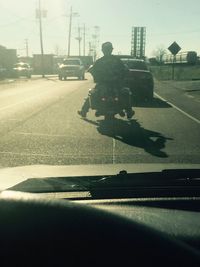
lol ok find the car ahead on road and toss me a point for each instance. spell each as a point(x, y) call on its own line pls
point(139, 79)
point(71, 67)
point(22, 69)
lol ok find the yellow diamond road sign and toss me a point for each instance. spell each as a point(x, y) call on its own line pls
point(174, 48)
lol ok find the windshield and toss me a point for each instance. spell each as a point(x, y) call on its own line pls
point(98, 116)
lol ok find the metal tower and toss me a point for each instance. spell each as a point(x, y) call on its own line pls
point(138, 42)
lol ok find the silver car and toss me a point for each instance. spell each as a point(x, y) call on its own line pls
point(71, 67)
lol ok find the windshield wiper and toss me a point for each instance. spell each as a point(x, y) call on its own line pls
point(167, 183)
point(123, 181)
point(165, 177)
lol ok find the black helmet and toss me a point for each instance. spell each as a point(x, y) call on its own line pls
point(107, 48)
point(107, 45)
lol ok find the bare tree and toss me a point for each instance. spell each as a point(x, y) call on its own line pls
point(159, 53)
point(58, 51)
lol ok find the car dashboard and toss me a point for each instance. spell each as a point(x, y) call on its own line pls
point(127, 231)
point(141, 219)
point(178, 218)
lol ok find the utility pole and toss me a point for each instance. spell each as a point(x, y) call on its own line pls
point(90, 49)
point(26, 44)
point(95, 37)
point(72, 14)
point(39, 16)
point(79, 38)
point(70, 29)
point(84, 39)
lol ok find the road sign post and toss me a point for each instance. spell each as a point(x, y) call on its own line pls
point(173, 67)
point(174, 48)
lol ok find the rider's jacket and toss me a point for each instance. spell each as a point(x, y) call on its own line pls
point(108, 69)
point(109, 73)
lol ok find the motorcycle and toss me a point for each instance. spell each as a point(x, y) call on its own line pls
point(109, 101)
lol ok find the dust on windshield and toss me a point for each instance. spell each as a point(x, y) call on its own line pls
point(57, 116)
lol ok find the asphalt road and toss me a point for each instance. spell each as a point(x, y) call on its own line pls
point(39, 125)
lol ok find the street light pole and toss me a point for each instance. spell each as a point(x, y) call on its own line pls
point(79, 40)
point(70, 29)
point(26, 44)
point(95, 41)
point(72, 14)
point(41, 39)
point(84, 39)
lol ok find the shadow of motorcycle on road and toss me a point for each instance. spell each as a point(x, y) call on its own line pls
point(133, 134)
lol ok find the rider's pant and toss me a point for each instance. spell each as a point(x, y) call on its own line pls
point(86, 105)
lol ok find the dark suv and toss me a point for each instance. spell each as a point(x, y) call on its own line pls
point(139, 78)
point(71, 67)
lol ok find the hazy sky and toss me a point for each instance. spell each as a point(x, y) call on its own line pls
point(165, 21)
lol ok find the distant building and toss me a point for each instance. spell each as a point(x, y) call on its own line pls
point(138, 42)
point(8, 57)
point(43, 64)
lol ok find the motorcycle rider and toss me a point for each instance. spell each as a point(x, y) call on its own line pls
point(108, 70)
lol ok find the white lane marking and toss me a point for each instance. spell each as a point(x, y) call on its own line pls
point(180, 110)
point(113, 151)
